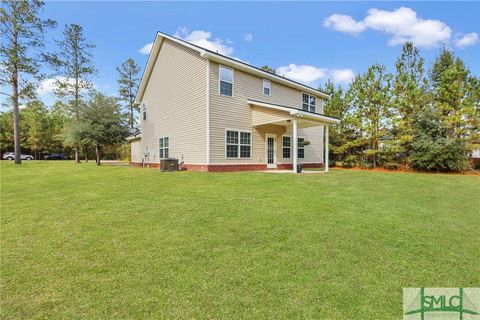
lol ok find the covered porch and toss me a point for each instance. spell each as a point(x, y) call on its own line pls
point(265, 115)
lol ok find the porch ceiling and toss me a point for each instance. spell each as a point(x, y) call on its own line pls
point(266, 113)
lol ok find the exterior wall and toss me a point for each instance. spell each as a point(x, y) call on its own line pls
point(176, 97)
point(136, 150)
point(235, 113)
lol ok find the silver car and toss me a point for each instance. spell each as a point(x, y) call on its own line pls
point(11, 156)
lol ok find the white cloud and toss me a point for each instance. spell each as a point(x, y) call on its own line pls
point(146, 48)
point(343, 23)
point(402, 24)
point(301, 73)
point(202, 38)
point(344, 76)
point(467, 40)
point(248, 37)
point(47, 86)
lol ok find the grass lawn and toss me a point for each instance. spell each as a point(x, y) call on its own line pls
point(88, 242)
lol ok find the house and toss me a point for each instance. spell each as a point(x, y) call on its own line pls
point(215, 113)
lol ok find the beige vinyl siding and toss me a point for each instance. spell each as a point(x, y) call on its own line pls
point(136, 150)
point(262, 115)
point(313, 152)
point(235, 113)
point(176, 97)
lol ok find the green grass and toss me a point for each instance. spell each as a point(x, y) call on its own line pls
point(88, 242)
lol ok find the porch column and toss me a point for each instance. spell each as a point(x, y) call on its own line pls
point(326, 148)
point(295, 144)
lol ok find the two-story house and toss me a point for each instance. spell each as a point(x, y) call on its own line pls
point(215, 113)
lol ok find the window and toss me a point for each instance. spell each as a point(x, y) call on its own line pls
point(226, 81)
point(266, 87)
point(287, 144)
point(300, 148)
point(164, 148)
point(144, 110)
point(238, 144)
point(309, 102)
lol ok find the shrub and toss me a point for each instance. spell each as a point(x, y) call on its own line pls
point(433, 150)
point(349, 161)
point(391, 165)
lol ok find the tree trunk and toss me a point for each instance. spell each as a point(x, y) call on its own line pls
point(86, 153)
point(97, 153)
point(77, 154)
point(16, 121)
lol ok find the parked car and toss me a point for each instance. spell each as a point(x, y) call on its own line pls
point(11, 156)
point(56, 156)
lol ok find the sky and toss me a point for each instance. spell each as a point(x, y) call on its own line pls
point(309, 42)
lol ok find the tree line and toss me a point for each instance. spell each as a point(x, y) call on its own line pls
point(82, 119)
point(426, 120)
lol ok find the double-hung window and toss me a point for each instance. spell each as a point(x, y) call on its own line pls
point(164, 146)
point(226, 81)
point(238, 144)
point(266, 87)
point(286, 147)
point(309, 102)
point(300, 148)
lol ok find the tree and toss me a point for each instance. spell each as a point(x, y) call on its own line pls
point(128, 83)
point(371, 98)
point(268, 69)
point(432, 148)
point(22, 36)
point(410, 94)
point(450, 83)
point(74, 68)
point(37, 122)
point(343, 133)
point(101, 124)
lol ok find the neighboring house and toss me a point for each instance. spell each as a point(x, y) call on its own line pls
point(215, 113)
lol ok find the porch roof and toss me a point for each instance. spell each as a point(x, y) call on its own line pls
point(280, 113)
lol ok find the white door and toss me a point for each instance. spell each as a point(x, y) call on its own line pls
point(271, 150)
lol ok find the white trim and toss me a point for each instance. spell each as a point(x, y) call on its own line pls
point(296, 112)
point(289, 136)
point(275, 161)
point(326, 149)
point(208, 111)
point(269, 87)
point(295, 144)
point(220, 80)
point(160, 158)
point(239, 144)
point(309, 96)
point(160, 36)
point(138, 136)
point(261, 73)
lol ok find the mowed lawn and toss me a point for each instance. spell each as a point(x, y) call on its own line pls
point(88, 242)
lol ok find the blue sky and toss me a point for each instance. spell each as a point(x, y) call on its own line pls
point(307, 41)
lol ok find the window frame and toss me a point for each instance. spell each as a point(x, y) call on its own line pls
point(220, 81)
point(239, 144)
point(264, 81)
point(290, 147)
point(164, 148)
point(300, 148)
point(309, 102)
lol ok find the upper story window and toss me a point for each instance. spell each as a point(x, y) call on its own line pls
point(226, 81)
point(144, 111)
point(266, 87)
point(309, 102)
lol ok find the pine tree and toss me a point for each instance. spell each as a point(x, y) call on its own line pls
point(371, 99)
point(128, 84)
point(74, 67)
point(410, 91)
point(22, 36)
